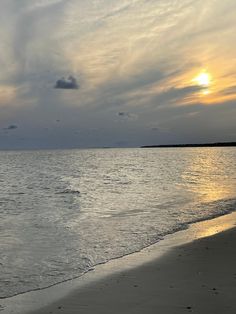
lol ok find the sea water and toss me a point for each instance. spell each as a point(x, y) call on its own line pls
point(64, 211)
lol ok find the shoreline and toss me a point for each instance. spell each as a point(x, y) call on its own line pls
point(164, 237)
point(31, 302)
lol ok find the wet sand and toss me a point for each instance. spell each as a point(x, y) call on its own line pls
point(195, 277)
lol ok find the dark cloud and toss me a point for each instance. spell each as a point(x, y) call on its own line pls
point(11, 127)
point(127, 115)
point(122, 114)
point(70, 83)
point(159, 129)
point(156, 129)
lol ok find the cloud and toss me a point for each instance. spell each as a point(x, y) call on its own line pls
point(11, 127)
point(167, 97)
point(176, 95)
point(122, 114)
point(127, 115)
point(136, 60)
point(229, 91)
point(70, 83)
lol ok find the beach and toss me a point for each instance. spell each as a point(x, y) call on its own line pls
point(191, 271)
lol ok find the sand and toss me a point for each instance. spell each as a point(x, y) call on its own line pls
point(170, 278)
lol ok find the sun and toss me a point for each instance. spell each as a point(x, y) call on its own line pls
point(203, 79)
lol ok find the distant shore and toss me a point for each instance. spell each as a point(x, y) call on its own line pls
point(220, 144)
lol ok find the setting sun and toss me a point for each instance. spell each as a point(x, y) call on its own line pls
point(203, 79)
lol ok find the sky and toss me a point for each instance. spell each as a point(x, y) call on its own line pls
point(123, 73)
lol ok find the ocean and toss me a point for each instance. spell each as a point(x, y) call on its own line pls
point(64, 211)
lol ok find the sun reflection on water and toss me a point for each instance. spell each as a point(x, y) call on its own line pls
point(208, 177)
point(211, 227)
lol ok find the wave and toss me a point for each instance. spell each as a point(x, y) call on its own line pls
point(87, 263)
